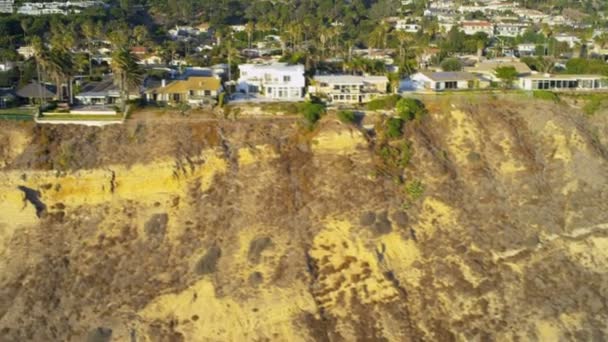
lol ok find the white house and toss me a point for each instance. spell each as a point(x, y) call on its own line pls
point(563, 82)
point(6, 6)
point(403, 25)
point(472, 27)
point(510, 29)
point(439, 81)
point(349, 88)
point(526, 49)
point(276, 80)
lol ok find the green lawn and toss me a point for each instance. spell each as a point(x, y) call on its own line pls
point(19, 114)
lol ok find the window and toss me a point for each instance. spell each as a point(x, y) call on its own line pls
point(207, 92)
point(286, 78)
point(451, 85)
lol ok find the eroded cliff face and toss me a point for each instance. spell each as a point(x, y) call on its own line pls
point(256, 230)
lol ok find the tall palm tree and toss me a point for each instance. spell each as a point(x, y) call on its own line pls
point(60, 69)
point(250, 30)
point(41, 57)
point(90, 32)
point(128, 75)
point(324, 36)
point(378, 37)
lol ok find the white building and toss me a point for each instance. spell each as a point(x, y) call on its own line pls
point(510, 29)
point(276, 81)
point(472, 27)
point(6, 6)
point(526, 49)
point(563, 82)
point(440, 81)
point(403, 25)
point(349, 88)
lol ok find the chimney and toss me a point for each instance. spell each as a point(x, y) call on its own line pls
point(163, 83)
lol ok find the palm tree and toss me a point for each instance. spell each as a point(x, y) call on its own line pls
point(41, 57)
point(324, 36)
point(404, 38)
point(128, 75)
point(60, 67)
point(90, 32)
point(250, 30)
point(377, 38)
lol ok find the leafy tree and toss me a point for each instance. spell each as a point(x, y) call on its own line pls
point(507, 74)
point(451, 64)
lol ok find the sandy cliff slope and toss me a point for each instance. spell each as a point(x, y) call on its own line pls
point(255, 230)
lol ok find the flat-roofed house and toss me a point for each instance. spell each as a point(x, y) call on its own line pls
point(487, 69)
point(452, 80)
point(564, 82)
point(280, 81)
point(194, 90)
point(349, 88)
point(472, 27)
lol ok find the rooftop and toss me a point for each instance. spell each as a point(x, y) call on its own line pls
point(274, 66)
point(446, 76)
point(349, 79)
point(490, 66)
point(191, 83)
point(564, 77)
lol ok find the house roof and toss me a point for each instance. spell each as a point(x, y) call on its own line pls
point(349, 79)
point(447, 76)
point(191, 83)
point(101, 88)
point(34, 90)
point(477, 23)
point(490, 66)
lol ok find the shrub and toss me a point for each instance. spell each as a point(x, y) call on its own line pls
point(347, 116)
point(545, 95)
point(414, 189)
point(311, 112)
point(409, 109)
point(406, 154)
point(394, 127)
point(385, 102)
point(594, 104)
